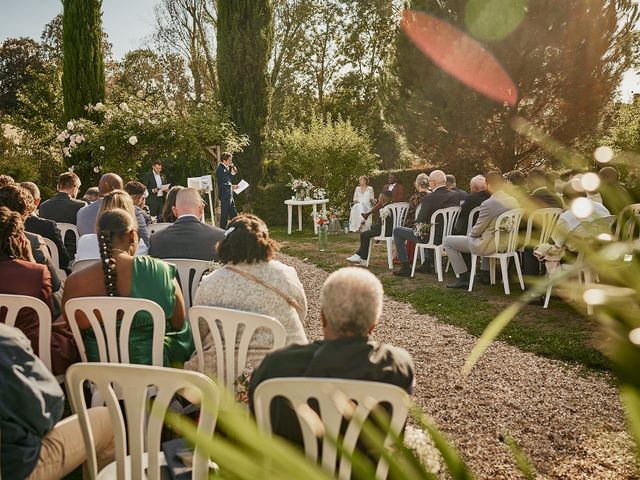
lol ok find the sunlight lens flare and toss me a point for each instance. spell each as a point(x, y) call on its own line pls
point(460, 56)
point(634, 336)
point(594, 296)
point(590, 182)
point(581, 207)
point(603, 154)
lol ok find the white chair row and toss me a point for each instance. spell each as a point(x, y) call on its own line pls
point(137, 442)
point(398, 212)
point(448, 217)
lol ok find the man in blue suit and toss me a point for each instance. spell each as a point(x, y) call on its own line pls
point(224, 173)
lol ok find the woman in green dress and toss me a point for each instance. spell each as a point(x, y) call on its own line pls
point(120, 274)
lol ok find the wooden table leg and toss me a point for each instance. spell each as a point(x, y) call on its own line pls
point(289, 215)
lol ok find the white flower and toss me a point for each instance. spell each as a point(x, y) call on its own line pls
point(171, 104)
point(71, 168)
point(140, 94)
point(108, 114)
point(199, 105)
point(133, 139)
point(140, 121)
point(124, 107)
point(67, 152)
point(384, 213)
point(99, 107)
point(70, 125)
point(102, 147)
point(62, 137)
point(72, 144)
point(96, 169)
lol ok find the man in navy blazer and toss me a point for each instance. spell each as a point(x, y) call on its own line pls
point(224, 173)
point(188, 237)
point(441, 197)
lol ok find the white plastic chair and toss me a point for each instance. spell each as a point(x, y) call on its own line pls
point(189, 274)
point(542, 221)
point(82, 264)
point(449, 216)
point(55, 258)
point(471, 221)
point(68, 227)
point(398, 212)
point(156, 227)
point(332, 396)
point(227, 348)
point(112, 348)
point(503, 254)
point(625, 227)
point(15, 303)
point(137, 443)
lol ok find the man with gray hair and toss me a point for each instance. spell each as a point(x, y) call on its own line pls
point(350, 308)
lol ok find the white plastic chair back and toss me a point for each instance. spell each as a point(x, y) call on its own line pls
point(82, 264)
point(449, 216)
point(473, 217)
point(225, 344)
point(156, 227)
point(417, 212)
point(398, 213)
point(15, 303)
point(137, 442)
point(629, 212)
point(542, 220)
point(510, 218)
point(333, 395)
point(55, 258)
point(189, 274)
point(68, 227)
point(112, 348)
point(631, 230)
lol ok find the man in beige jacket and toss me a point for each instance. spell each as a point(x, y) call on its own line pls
point(481, 239)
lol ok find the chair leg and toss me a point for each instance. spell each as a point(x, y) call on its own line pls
point(415, 259)
point(446, 269)
point(390, 253)
point(504, 268)
point(519, 271)
point(369, 253)
point(492, 271)
point(547, 297)
point(472, 275)
point(437, 257)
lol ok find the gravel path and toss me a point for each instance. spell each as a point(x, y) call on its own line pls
point(570, 425)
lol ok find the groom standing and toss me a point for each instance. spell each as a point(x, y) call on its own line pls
point(153, 180)
point(224, 173)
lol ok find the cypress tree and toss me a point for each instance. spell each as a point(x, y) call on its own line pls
point(83, 72)
point(245, 38)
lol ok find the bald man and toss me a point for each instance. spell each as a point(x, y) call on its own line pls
point(87, 216)
point(441, 197)
point(188, 237)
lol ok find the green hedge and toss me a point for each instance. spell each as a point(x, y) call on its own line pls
point(407, 177)
point(268, 203)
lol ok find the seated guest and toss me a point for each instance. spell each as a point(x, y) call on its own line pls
point(363, 200)
point(6, 180)
point(365, 237)
point(477, 194)
point(614, 196)
point(453, 185)
point(440, 197)
point(138, 193)
point(87, 215)
point(415, 200)
point(19, 200)
point(188, 237)
point(91, 195)
point(121, 274)
point(515, 187)
point(481, 239)
point(540, 195)
point(88, 244)
point(397, 194)
point(253, 281)
point(350, 308)
point(34, 443)
point(167, 210)
point(22, 276)
point(63, 207)
point(46, 228)
point(569, 226)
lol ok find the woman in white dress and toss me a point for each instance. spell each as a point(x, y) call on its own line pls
point(363, 200)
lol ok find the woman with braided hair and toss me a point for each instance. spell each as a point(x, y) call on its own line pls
point(121, 274)
point(31, 279)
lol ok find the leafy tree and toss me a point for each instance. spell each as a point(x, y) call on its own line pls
point(245, 35)
point(20, 59)
point(83, 74)
point(565, 59)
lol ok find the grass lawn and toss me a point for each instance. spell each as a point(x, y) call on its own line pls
point(558, 332)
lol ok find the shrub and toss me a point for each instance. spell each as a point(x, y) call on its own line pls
point(329, 154)
point(268, 203)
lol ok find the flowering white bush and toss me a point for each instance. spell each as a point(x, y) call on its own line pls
point(319, 193)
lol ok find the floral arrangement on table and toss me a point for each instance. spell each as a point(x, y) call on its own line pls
point(422, 230)
point(300, 187)
point(318, 193)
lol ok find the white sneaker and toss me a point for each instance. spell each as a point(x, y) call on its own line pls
point(363, 263)
point(355, 258)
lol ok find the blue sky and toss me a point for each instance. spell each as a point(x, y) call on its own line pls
point(129, 23)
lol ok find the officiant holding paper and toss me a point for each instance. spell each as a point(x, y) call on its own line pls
point(224, 174)
point(157, 186)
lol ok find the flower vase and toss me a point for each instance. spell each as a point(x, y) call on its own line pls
point(307, 194)
point(299, 194)
point(323, 231)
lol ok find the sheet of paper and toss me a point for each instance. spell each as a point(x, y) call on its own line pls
point(242, 186)
point(194, 182)
point(163, 188)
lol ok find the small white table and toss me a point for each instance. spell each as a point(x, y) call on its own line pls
point(301, 203)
